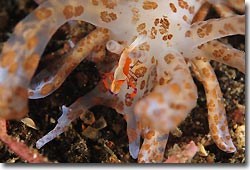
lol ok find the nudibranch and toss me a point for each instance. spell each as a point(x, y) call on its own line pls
point(157, 41)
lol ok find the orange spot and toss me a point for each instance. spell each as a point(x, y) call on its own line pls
point(109, 4)
point(21, 92)
point(95, 2)
point(228, 137)
point(149, 5)
point(43, 13)
point(149, 135)
point(158, 158)
point(175, 88)
point(188, 86)
point(153, 59)
point(222, 147)
point(143, 83)
point(7, 58)
point(31, 62)
point(169, 58)
point(205, 30)
point(108, 17)
point(173, 8)
point(214, 129)
point(140, 156)
point(192, 95)
point(3, 101)
point(32, 42)
point(231, 149)
point(140, 72)
point(132, 135)
point(141, 27)
point(157, 96)
point(136, 15)
point(211, 106)
point(216, 137)
point(161, 81)
point(13, 68)
point(183, 4)
point(145, 147)
point(188, 34)
point(216, 119)
point(78, 10)
point(46, 89)
point(185, 18)
point(177, 106)
point(68, 11)
point(206, 72)
point(57, 81)
point(222, 128)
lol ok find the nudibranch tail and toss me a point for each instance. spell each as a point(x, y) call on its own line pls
point(51, 78)
point(216, 112)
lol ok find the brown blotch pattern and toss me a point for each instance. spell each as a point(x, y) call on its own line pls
point(136, 15)
point(43, 13)
point(32, 42)
point(149, 5)
point(183, 4)
point(169, 58)
point(70, 11)
point(31, 62)
point(140, 72)
point(46, 89)
point(7, 58)
point(173, 8)
point(204, 30)
point(109, 3)
point(175, 88)
point(108, 17)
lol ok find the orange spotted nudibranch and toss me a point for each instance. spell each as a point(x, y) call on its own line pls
point(157, 41)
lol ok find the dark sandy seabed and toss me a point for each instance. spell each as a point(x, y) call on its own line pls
point(110, 144)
